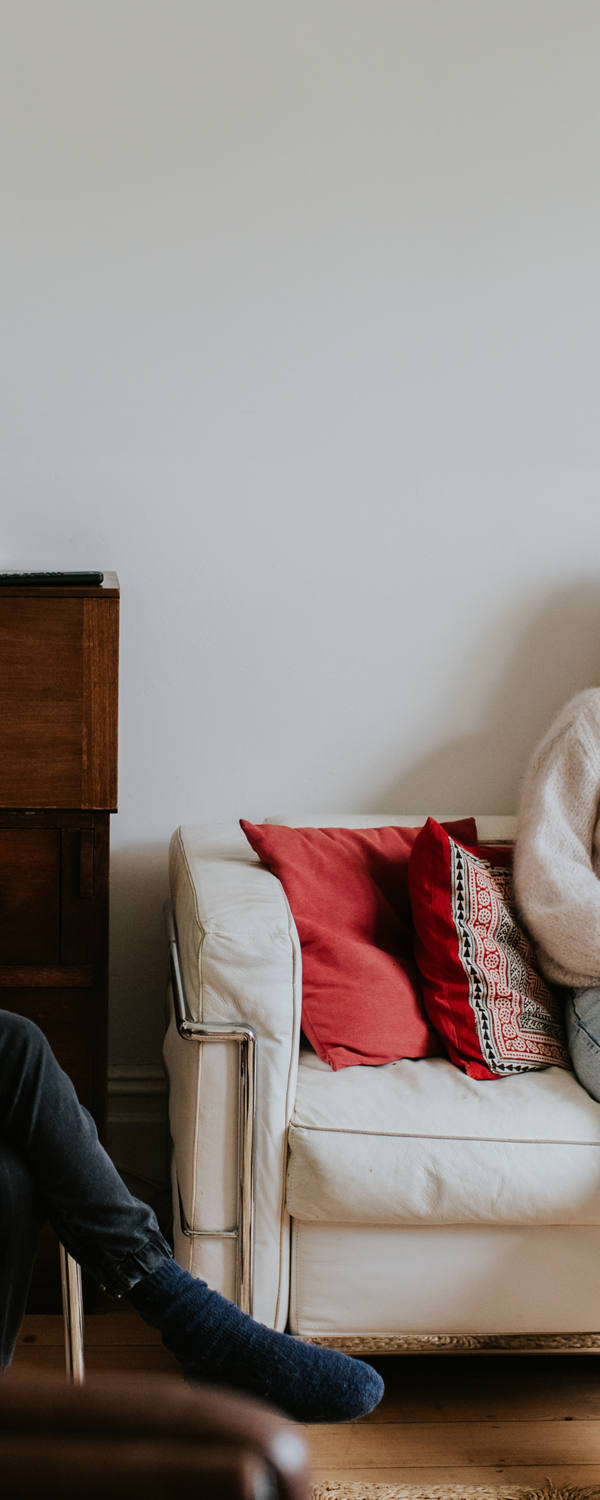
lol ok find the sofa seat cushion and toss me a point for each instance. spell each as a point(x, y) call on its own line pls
point(422, 1143)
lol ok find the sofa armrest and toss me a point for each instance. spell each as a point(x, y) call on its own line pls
point(240, 962)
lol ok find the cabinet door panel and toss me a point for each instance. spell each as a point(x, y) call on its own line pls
point(29, 895)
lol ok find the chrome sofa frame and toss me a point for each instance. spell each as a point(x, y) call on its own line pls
point(203, 1033)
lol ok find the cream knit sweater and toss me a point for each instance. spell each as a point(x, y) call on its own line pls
point(557, 852)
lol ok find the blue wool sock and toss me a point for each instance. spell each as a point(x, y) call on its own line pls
point(213, 1340)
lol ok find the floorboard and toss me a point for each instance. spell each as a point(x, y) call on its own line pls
point(460, 1420)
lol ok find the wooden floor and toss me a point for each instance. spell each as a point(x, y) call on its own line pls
point(443, 1420)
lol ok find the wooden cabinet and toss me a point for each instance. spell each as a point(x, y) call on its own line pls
point(58, 690)
point(58, 785)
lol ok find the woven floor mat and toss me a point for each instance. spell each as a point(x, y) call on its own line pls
point(358, 1491)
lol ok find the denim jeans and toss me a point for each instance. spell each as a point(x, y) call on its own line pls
point(53, 1166)
point(582, 1018)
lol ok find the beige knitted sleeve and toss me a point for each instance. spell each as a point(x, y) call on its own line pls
point(556, 887)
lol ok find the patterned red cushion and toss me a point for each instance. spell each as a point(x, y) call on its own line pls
point(348, 892)
point(481, 988)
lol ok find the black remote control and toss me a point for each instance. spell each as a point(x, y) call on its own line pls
point(51, 580)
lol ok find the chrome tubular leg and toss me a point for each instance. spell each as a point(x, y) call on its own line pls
point(245, 1152)
point(203, 1033)
point(72, 1302)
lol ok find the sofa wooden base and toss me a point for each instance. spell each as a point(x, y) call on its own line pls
point(462, 1343)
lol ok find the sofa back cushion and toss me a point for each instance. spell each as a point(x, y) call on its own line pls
point(482, 990)
point(348, 892)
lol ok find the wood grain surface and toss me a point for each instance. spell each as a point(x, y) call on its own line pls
point(490, 1421)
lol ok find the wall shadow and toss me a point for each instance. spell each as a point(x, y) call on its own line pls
point(558, 655)
point(139, 886)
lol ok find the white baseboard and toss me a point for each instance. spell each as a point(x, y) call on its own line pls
point(134, 1091)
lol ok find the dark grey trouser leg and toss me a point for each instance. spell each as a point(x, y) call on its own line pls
point(113, 1235)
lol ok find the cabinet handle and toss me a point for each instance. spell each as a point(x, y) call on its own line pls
point(86, 863)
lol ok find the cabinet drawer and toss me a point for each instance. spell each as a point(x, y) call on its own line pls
point(58, 688)
point(29, 896)
point(53, 899)
point(84, 893)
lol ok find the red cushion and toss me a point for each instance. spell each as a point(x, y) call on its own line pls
point(481, 988)
point(348, 892)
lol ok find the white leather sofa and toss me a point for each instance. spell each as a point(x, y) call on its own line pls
point(403, 1207)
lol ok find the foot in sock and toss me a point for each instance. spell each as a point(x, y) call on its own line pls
point(213, 1340)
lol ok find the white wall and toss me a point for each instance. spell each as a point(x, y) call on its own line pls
point(299, 319)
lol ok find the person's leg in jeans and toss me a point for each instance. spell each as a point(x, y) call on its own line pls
point(582, 1019)
point(116, 1238)
point(114, 1235)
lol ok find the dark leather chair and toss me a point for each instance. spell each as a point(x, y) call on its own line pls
point(123, 1437)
